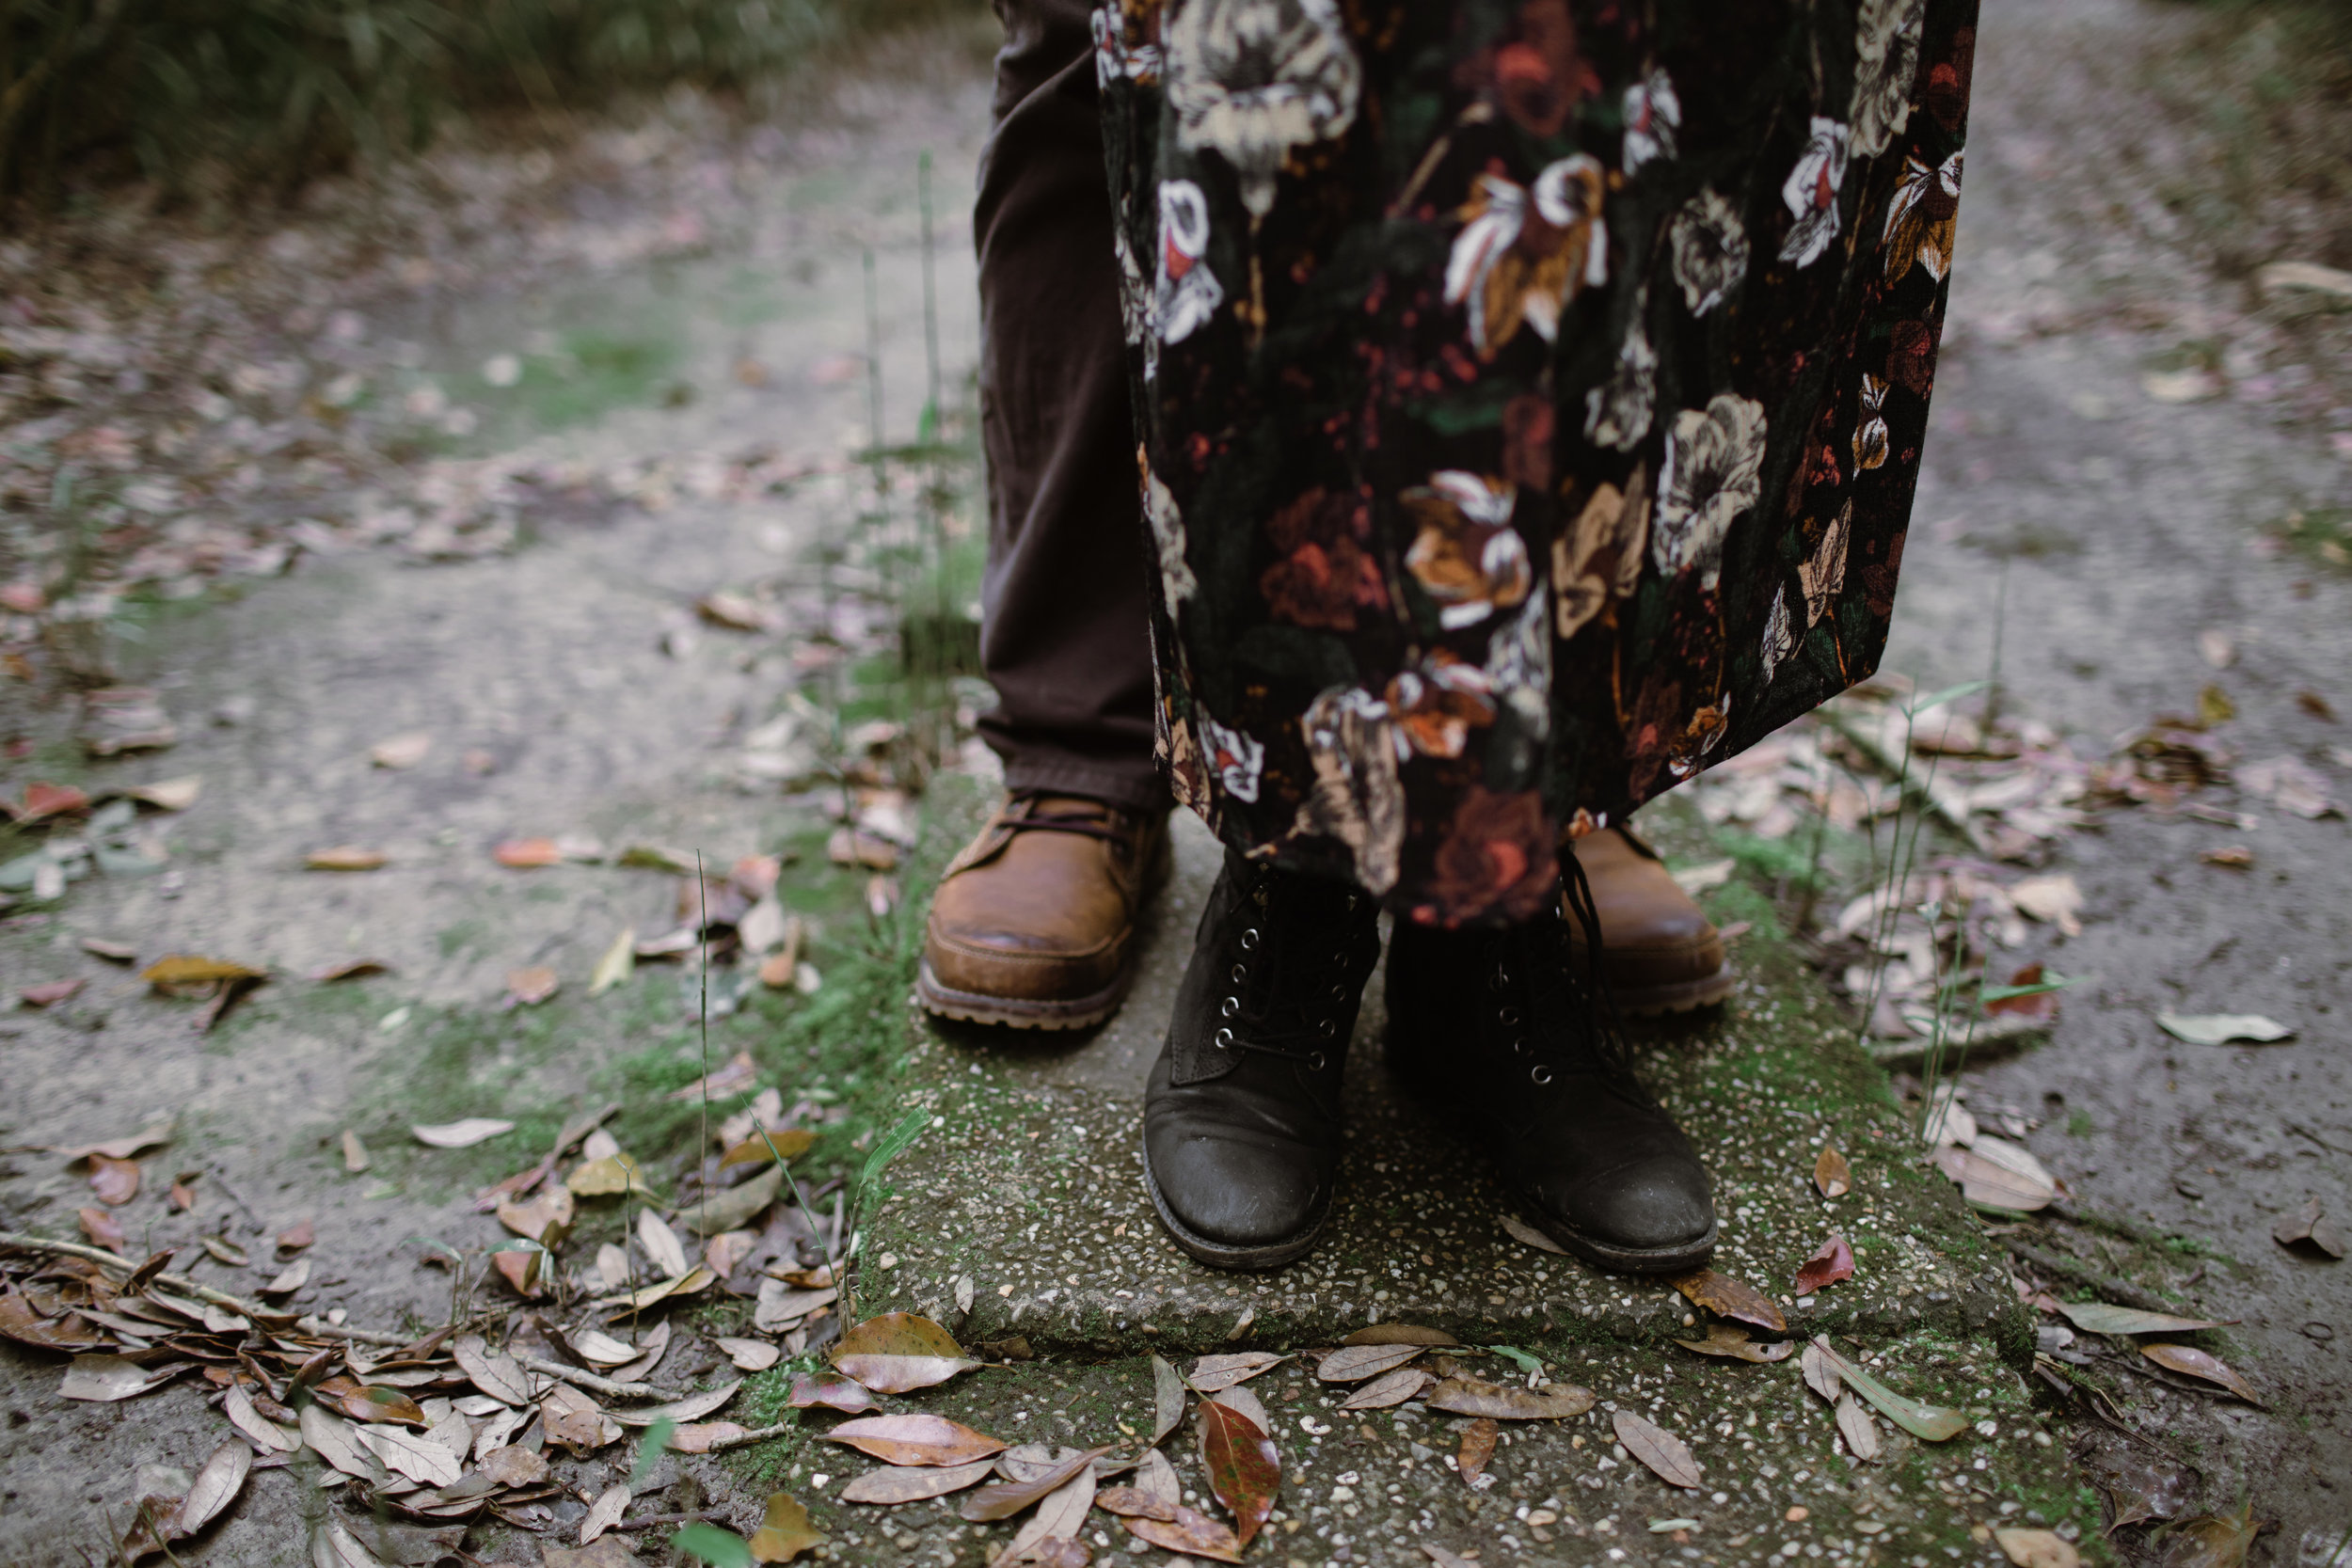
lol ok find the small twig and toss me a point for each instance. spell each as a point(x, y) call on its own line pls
point(320, 1328)
point(2106, 1285)
point(250, 1217)
point(656, 1521)
point(744, 1439)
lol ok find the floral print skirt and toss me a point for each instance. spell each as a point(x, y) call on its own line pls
point(1530, 398)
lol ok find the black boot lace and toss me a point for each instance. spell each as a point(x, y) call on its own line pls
point(1289, 998)
point(1557, 1020)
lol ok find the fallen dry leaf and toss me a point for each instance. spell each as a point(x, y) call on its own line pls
point(106, 1378)
point(1856, 1427)
point(1933, 1423)
point(354, 969)
point(354, 1153)
point(1478, 1446)
point(1133, 1502)
point(605, 1176)
point(2097, 1316)
point(604, 1513)
point(69, 1332)
point(296, 1236)
point(850, 847)
point(378, 1404)
point(1189, 1533)
point(693, 1407)
point(2309, 1224)
point(1826, 1267)
point(2191, 1362)
point(829, 1390)
point(527, 987)
point(892, 1485)
point(1831, 1173)
point(345, 857)
point(2212, 1541)
point(100, 1227)
point(495, 1373)
point(661, 1243)
point(2053, 900)
point(1243, 1469)
point(1996, 1174)
point(118, 1149)
point(461, 1134)
point(2235, 857)
point(2037, 1549)
point(705, 1436)
point(2222, 1028)
point(1526, 1234)
point(1819, 1373)
point(1167, 1399)
point(1006, 1498)
point(168, 794)
point(113, 952)
point(401, 750)
point(749, 1355)
point(1212, 1373)
point(897, 1351)
point(1356, 1363)
point(417, 1457)
point(178, 971)
point(50, 992)
point(1727, 1297)
point(520, 1268)
point(528, 854)
point(238, 1406)
point(115, 1181)
point(724, 1084)
point(916, 1437)
point(786, 1531)
point(734, 611)
point(1666, 1455)
point(618, 963)
point(1389, 1389)
point(1399, 1334)
point(771, 1142)
point(1728, 1340)
point(289, 1280)
point(49, 800)
point(1470, 1396)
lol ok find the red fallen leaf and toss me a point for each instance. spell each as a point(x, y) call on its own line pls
point(528, 854)
point(1478, 1446)
point(2042, 1006)
point(916, 1437)
point(298, 1236)
point(1130, 1502)
point(48, 800)
point(519, 1269)
point(1833, 1262)
point(1727, 1297)
point(1245, 1471)
point(50, 992)
point(831, 1390)
point(1189, 1534)
point(102, 1229)
point(114, 1180)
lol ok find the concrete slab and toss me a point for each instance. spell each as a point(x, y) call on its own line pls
point(1027, 1200)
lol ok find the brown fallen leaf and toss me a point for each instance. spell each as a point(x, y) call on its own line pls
point(1831, 1174)
point(113, 952)
point(829, 1390)
point(786, 1531)
point(2309, 1226)
point(226, 1251)
point(1167, 1399)
point(116, 1149)
point(354, 1153)
point(2037, 1549)
point(463, 1133)
point(528, 854)
point(1444, 1558)
point(1213, 1374)
point(1654, 1446)
point(1356, 1363)
point(378, 1405)
point(1399, 1334)
point(851, 846)
point(100, 1227)
point(2038, 1006)
point(1826, 1267)
point(1243, 1469)
point(1133, 1502)
point(1728, 1340)
point(67, 1332)
point(705, 1436)
point(513, 1466)
point(1189, 1534)
point(724, 1084)
point(735, 611)
point(289, 1280)
point(527, 987)
point(103, 1379)
point(1996, 1174)
point(1478, 1446)
point(168, 794)
point(50, 992)
point(519, 1268)
point(296, 1236)
point(2097, 1316)
point(749, 1355)
point(401, 750)
point(897, 1351)
point(892, 1485)
point(1727, 1297)
point(771, 1142)
point(1389, 1389)
point(915, 1437)
point(2236, 857)
point(1006, 1498)
point(182, 973)
point(345, 857)
point(49, 800)
point(2212, 1541)
point(1856, 1427)
point(2192, 1362)
point(1520, 1231)
point(115, 1181)
point(693, 1407)
point(1470, 1396)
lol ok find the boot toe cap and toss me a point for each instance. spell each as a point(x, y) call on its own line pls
point(1234, 1193)
point(1661, 1206)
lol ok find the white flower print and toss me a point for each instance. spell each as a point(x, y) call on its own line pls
point(1518, 666)
point(1168, 534)
point(1357, 799)
point(1811, 192)
point(1823, 573)
point(1187, 293)
point(1710, 250)
point(1780, 638)
point(1233, 758)
point(1870, 439)
point(1252, 79)
point(1114, 57)
point(1710, 476)
point(1652, 114)
point(1617, 412)
point(1526, 250)
point(1888, 33)
point(1466, 555)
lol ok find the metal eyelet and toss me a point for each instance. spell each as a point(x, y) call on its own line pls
point(1508, 1017)
point(1540, 1073)
point(1339, 992)
point(1223, 1039)
point(1230, 1006)
point(1318, 1061)
point(1250, 940)
point(1328, 1029)
point(1241, 973)
point(1500, 980)
point(1519, 1047)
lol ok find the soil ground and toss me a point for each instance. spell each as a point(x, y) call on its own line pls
point(2075, 535)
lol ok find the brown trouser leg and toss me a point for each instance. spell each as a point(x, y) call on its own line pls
point(1063, 631)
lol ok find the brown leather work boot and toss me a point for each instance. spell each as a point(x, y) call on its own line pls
point(1658, 953)
point(1034, 923)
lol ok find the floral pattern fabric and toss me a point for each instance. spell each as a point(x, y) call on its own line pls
point(1529, 398)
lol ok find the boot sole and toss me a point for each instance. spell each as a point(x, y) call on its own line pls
point(1052, 1013)
point(1679, 1259)
point(1680, 996)
point(1222, 1255)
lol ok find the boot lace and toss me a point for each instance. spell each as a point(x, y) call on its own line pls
point(1293, 1015)
point(1103, 823)
point(1557, 1020)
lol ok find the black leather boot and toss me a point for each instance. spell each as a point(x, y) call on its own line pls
point(1241, 1119)
point(1506, 1029)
